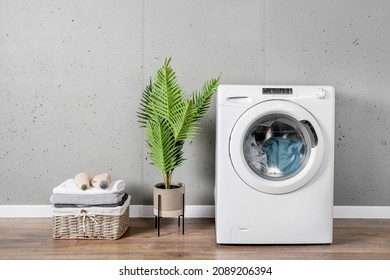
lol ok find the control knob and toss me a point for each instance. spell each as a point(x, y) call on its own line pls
point(321, 93)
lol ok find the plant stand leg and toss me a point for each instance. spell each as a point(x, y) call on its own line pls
point(158, 214)
point(178, 223)
point(157, 218)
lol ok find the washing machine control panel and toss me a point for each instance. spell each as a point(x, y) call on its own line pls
point(321, 93)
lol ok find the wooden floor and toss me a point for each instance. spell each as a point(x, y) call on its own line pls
point(29, 239)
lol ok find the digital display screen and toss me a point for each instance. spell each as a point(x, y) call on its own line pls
point(277, 91)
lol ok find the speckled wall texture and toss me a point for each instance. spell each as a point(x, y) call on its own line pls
point(72, 73)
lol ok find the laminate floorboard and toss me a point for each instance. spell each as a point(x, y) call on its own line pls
point(29, 239)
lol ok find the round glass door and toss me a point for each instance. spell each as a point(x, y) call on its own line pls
point(276, 146)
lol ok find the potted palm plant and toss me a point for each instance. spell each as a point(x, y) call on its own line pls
point(169, 119)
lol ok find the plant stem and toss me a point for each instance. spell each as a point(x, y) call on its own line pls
point(167, 179)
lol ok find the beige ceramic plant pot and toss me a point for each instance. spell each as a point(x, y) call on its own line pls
point(172, 202)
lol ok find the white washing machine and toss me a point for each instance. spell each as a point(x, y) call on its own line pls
point(274, 164)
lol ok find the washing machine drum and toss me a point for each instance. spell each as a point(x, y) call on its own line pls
point(276, 147)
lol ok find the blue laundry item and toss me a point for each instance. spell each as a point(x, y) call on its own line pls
point(283, 154)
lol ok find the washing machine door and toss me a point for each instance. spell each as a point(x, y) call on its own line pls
point(276, 146)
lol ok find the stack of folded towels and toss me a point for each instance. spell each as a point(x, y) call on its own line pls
point(106, 193)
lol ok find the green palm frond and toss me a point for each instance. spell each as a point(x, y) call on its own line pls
point(169, 119)
point(167, 92)
point(182, 121)
point(163, 150)
point(202, 100)
point(144, 114)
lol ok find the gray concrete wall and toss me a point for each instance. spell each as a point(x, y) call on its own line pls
point(343, 43)
point(72, 73)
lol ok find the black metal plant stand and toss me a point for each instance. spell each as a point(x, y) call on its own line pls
point(157, 218)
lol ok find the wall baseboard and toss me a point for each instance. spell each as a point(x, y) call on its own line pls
point(362, 212)
point(192, 211)
point(145, 211)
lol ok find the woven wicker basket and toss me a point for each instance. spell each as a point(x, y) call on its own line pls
point(86, 226)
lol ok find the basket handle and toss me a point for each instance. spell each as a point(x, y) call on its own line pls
point(84, 213)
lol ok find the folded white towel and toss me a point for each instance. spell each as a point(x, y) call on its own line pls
point(70, 187)
point(87, 199)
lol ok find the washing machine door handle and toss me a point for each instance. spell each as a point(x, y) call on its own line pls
point(312, 133)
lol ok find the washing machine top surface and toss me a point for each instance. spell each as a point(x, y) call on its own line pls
point(248, 95)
